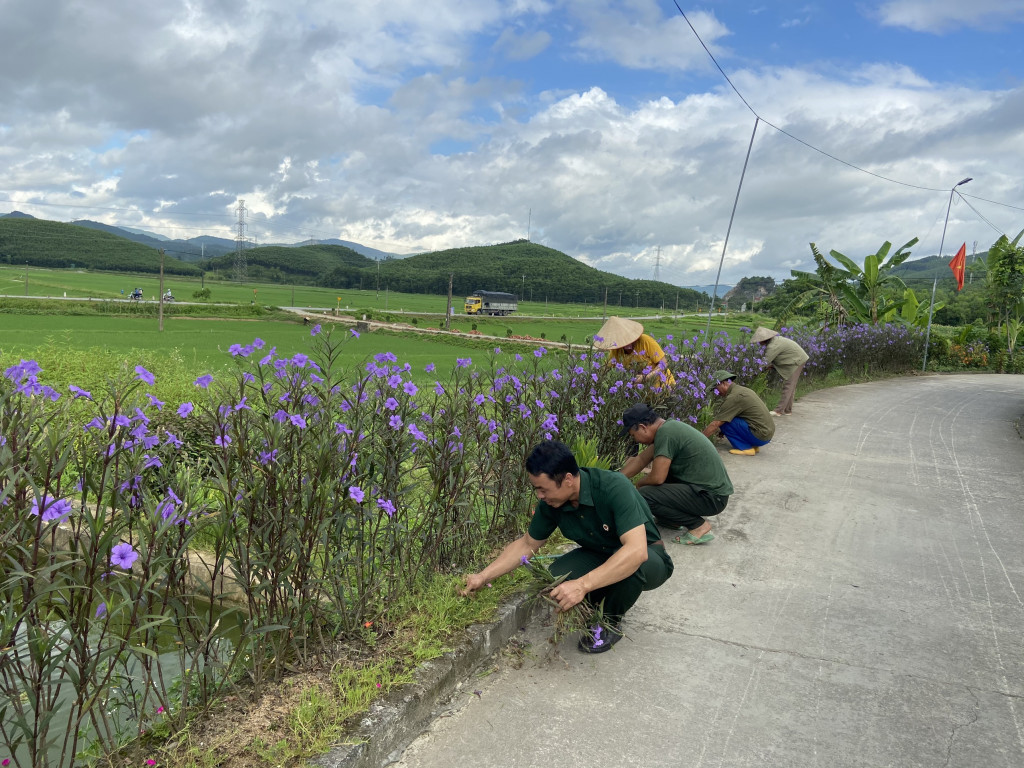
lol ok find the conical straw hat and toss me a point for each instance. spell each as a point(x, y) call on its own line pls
point(617, 332)
point(762, 334)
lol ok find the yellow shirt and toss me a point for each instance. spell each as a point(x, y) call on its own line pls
point(645, 353)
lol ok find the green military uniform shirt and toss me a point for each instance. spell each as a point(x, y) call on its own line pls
point(694, 459)
point(609, 505)
point(744, 403)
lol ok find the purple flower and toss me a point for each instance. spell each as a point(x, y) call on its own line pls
point(122, 421)
point(153, 401)
point(429, 368)
point(395, 421)
point(101, 610)
point(385, 357)
point(52, 509)
point(356, 494)
point(354, 332)
point(152, 461)
point(539, 352)
point(387, 506)
point(268, 456)
point(204, 381)
point(298, 420)
point(77, 392)
point(123, 556)
point(410, 388)
point(300, 360)
point(524, 560)
point(280, 416)
point(462, 362)
point(341, 428)
point(185, 409)
point(172, 439)
point(96, 423)
point(235, 350)
point(315, 330)
point(222, 441)
point(391, 404)
point(438, 389)
point(416, 433)
point(144, 375)
point(258, 343)
point(242, 405)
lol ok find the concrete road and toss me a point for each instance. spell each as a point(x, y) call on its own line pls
point(862, 605)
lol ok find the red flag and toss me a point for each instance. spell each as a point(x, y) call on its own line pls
point(958, 264)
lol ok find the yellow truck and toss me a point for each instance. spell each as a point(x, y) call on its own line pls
point(491, 303)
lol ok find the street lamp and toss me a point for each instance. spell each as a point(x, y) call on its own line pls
point(935, 282)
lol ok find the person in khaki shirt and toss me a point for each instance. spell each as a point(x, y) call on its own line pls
point(741, 416)
point(787, 358)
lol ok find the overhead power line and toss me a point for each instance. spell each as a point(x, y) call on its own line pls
point(801, 141)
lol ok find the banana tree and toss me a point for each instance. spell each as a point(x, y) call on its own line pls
point(870, 290)
point(824, 286)
point(913, 311)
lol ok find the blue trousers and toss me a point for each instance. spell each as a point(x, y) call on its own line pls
point(739, 435)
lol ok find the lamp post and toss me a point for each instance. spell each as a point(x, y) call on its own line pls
point(935, 282)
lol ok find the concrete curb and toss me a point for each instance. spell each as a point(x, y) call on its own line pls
point(393, 722)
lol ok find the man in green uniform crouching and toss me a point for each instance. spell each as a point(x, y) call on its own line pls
point(620, 551)
point(687, 482)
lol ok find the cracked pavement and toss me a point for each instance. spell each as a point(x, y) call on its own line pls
point(861, 605)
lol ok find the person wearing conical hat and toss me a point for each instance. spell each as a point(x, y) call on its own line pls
point(742, 417)
point(634, 350)
point(787, 358)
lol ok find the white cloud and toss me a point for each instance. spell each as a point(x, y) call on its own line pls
point(638, 34)
point(938, 16)
point(324, 118)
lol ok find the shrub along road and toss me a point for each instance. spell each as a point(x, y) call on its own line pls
point(860, 606)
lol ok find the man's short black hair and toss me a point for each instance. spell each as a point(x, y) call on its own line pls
point(553, 459)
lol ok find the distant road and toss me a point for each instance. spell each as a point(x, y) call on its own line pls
point(325, 310)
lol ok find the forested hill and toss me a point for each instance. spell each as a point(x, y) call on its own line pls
point(283, 264)
point(530, 271)
point(42, 243)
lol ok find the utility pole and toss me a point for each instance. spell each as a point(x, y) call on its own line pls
point(657, 265)
point(974, 258)
point(529, 222)
point(448, 310)
point(160, 308)
point(524, 288)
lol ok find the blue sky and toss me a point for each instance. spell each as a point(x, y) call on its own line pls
point(599, 127)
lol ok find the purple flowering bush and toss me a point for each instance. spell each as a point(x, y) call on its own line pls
point(282, 506)
point(94, 543)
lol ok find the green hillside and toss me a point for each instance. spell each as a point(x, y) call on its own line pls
point(306, 264)
point(40, 243)
point(930, 267)
point(532, 272)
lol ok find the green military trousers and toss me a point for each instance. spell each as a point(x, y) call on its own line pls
point(619, 597)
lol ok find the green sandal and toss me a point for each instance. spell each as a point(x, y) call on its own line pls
point(689, 538)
